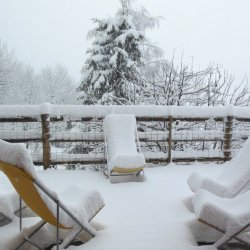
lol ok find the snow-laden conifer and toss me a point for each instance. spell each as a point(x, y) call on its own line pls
point(111, 73)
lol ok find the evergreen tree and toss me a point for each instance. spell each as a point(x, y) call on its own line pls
point(111, 72)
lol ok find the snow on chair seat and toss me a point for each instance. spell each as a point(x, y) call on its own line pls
point(17, 164)
point(230, 216)
point(232, 180)
point(121, 138)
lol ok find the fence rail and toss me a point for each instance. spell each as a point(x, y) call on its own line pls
point(60, 139)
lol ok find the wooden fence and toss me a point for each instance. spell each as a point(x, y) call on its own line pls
point(168, 137)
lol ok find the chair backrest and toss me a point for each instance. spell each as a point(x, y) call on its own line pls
point(24, 184)
point(120, 134)
point(237, 173)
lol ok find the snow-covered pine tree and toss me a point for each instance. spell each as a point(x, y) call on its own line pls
point(111, 71)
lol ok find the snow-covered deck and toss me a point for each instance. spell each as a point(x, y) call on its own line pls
point(152, 215)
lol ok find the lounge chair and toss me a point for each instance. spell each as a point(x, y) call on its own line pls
point(17, 164)
point(230, 216)
point(232, 180)
point(122, 145)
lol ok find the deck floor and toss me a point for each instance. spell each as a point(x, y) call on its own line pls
point(149, 215)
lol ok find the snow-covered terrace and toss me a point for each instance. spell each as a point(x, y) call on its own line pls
point(155, 214)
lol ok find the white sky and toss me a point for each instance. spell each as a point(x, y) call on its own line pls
point(45, 32)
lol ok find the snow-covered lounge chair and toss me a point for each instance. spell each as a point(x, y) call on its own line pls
point(122, 145)
point(17, 164)
point(232, 180)
point(230, 216)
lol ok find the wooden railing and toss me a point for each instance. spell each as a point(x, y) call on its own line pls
point(171, 140)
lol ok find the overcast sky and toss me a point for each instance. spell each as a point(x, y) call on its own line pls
point(46, 32)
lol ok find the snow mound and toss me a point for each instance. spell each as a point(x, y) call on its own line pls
point(83, 204)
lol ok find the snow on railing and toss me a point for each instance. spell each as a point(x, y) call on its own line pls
point(59, 134)
point(72, 112)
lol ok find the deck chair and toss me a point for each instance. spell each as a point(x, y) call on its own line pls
point(232, 180)
point(230, 216)
point(122, 145)
point(17, 164)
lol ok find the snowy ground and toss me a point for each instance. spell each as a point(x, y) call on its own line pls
point(152, 215)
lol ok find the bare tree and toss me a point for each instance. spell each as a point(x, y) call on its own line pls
point(56, 86)
point(7, 65)
point(164, 83)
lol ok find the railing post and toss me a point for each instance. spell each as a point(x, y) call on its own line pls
point(170, 126)
point(45, 140)
point(228, 133)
